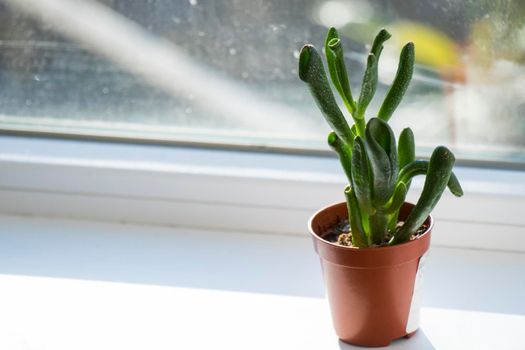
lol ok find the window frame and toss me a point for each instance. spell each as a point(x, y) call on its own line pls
point(230, 190)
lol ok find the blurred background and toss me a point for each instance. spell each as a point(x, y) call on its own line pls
point(224, 72)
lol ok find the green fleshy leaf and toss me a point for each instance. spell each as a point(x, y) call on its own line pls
point(344, 152)
point(406, 147)
point(400, 83)
point(361, 176)
point(337, 68)
point(382, 155)
point(454, 186)
point(438, 175)
point(312, 72)
point(420, 167)
point(368, 87)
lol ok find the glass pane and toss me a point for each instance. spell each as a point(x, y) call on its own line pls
point(226, 71)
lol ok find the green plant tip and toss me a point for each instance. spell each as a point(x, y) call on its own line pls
point(304, 62)
point(334, 43)
point(332, 138)
point(332, 33)
point(385, 34)
point(381, 37)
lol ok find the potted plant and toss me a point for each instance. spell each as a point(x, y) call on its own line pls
point(373, 245)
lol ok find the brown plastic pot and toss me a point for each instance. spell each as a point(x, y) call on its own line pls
point(372, 291)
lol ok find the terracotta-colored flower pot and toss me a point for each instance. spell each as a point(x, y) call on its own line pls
point(373, 292)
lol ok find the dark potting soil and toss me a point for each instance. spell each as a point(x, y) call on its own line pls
point(341, 234)
point(341, 227)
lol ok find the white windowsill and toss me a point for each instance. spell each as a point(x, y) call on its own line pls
point(70, 284)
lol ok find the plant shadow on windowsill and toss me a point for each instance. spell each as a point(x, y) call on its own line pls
point(418, 342)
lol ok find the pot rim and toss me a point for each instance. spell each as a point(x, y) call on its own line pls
point(346, 248)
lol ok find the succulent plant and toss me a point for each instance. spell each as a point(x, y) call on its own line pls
point(378, 169)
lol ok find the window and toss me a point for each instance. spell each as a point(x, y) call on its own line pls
point(225, 71)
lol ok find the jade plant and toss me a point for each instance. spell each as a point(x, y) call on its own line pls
point(378, 169)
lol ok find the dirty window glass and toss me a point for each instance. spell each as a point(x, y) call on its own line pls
point(225, 71)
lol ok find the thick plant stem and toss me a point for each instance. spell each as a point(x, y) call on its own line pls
point(398, 198)
point(392, 221)
point(360, 126)
point(354, 216)
point(378, 227)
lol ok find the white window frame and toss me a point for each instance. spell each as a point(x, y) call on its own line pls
point(229, 190)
